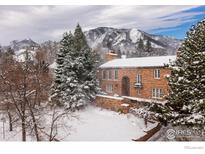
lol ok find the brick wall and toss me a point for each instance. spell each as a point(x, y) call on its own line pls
point(118, 104)
point(114, 104)
point(148, 81)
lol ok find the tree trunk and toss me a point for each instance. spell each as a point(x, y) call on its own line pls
point(35, 125)
point(10, 122)
point(10, 117)
point(23, 124)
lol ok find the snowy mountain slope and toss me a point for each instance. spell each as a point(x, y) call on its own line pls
point(103, 39)
point(127, 40)
point(21, 55)
point(23, 48)
point(135, 35)
point(26, 43)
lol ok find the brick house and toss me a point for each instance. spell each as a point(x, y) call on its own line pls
point(143, 77)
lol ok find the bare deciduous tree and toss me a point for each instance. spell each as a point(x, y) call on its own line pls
point(25, 86)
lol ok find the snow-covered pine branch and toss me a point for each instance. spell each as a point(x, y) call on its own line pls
point(186, 100)
point(75, 76)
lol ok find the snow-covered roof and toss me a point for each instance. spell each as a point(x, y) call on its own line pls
point(158, 61)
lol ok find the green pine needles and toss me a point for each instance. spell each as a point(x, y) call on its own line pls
point(186, 99)
point(75, 82)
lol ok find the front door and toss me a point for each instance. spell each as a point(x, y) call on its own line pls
point(125, 86)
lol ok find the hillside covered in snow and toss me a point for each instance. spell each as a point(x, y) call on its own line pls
point(127, 41)
point(131, 42)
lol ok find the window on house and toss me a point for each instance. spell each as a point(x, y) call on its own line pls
point(104, 74)
point(157, 73)
point(157, 93)
point(139, 78)
point(109, 88)
point(116, 74)
point(110, 74)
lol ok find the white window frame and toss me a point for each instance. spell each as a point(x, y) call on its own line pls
point(104, 74)
point(109, 88)
point(157, 93)
point(157, 73)
point(116, 74)
point(139, 78)
point(109, 74)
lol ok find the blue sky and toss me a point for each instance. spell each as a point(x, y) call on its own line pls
point(180, 31)
point(42, 23)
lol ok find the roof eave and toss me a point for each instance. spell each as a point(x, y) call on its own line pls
point(131, 67)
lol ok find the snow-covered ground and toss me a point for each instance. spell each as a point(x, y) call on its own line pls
point(98, 124)
point(94, 124)
point(5, 134)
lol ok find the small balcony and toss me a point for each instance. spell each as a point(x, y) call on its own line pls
point(138, 85)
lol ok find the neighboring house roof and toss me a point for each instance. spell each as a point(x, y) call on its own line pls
point(158, 61)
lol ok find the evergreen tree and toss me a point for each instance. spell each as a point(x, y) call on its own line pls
point(10, 51)
point(80, 72)
point(186, 100)
point(7, 56)
point(141, 44)
point(119, 54)
point(76, 82)
point(80, 40)
point(148, 46)
point(59, 85)
point(139, 49)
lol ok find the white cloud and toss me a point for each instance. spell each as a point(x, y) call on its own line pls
point(49, 22)
point(146, 17)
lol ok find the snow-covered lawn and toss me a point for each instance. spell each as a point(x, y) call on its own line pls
point(95, 124)
point(98, 124)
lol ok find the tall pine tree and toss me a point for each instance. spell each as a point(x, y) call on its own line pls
point(59, 82)
point(76, 75)
point(148, 46)
point(141, 44)
point(81, 64)
point(186, 100)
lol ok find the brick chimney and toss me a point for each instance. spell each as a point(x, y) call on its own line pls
point(111, 55)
